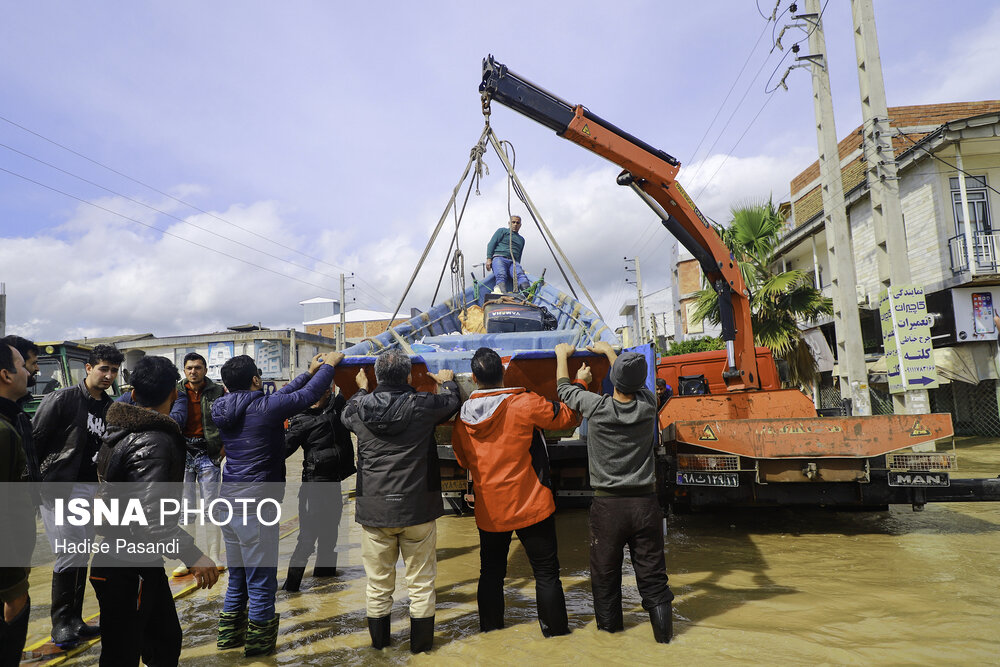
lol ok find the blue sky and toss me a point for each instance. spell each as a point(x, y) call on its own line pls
point(339, 130)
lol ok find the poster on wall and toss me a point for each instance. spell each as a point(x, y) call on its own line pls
point(268, 358)
point(218, 354)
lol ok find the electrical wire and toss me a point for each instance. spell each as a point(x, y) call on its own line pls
point(172, 197)
point(162, 231)
point(945, 162)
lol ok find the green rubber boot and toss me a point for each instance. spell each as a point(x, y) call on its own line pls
point(261, 637)
point(232, 629)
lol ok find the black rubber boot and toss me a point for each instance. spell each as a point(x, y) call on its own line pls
point(661, 617)
point(610, 620)
point(13, 637)
point(552, 615)
point(83, 631)
point(421, 634)
point(378, 628)
point(293, 579)
point(64, 623)
point(325, 571)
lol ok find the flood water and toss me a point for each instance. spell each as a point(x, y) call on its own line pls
point(766, 587)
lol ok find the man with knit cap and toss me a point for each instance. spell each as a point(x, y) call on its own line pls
point(622, 434)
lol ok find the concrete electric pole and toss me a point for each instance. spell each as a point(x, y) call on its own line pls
point(343, 315)
point(883, 184)
point(641, 308)
point(853, 371)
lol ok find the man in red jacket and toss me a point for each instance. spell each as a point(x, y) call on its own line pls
point(498, 438)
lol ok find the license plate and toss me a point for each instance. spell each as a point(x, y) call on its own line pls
point(919, 479)
point(708, 479)
point(453, 485)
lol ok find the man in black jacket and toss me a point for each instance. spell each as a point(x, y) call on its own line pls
point(398, 491)
point(144, 450)
point(17, 513)
point(68, 428)
point(327, 459)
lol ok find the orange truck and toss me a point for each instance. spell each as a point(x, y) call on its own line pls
point(736, 438)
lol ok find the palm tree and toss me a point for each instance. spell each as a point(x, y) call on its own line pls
point(778, 300)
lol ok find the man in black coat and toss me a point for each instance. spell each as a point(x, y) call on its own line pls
point(67, 432)
point(143, 451)
point(327, 459)
point(398, 493)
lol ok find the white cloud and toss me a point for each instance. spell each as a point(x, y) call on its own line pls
point(967, 70)
point(98, 274)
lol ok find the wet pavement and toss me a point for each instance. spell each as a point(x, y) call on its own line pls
point(809, 586)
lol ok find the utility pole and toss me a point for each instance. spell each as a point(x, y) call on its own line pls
point(343, 315)
point(853, 371)
point(3, 309)
point(883, 184)
point(641, 314)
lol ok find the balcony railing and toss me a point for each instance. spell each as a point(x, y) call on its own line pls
point(984, 248)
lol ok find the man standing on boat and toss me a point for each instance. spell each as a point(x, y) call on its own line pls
point(503, 254)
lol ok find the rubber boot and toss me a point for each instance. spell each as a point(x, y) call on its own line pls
point(609, 620)
point(262, 636)
point(83, 631)
point(325, 571)
point(552, 615)
point(214, 538)
point(661, 617)
point(232, 629)
point(378, 628)
point(14, 635)
point(64, 624)
point(293, 579)
point(421, 634)
point(500, 287)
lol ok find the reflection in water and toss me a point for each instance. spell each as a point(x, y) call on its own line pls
point(775, 586)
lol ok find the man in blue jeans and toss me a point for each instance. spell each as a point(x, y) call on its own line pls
point(503, 254)
point(252, 428)
point(204, 446)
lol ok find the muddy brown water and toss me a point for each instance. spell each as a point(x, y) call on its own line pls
point(784, 586)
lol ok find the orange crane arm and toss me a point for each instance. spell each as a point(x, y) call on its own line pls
point(651, 173)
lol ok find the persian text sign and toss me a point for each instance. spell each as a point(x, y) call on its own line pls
point(906, 338)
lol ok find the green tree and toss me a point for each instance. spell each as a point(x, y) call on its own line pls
point(778, 300)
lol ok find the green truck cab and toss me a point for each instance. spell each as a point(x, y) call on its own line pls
point(61, 364)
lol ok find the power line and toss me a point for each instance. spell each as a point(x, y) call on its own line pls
point(164, 232)
point(168, 195)
point(161, 212)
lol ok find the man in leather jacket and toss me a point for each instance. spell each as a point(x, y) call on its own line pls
point(143, 449)
point(327, 459)
point(67, 432)
point(398, 492)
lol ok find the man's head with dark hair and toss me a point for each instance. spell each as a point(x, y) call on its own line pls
point(102, 368)
point(194, 356)
point(108, 353)
point(29, 352)
point(487, 368)
point(392, 367)
point(22, 345)
point(154, 380)
point(13, 374)
point(238, 373)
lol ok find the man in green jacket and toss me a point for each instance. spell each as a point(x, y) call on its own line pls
point(16, 510)
point(503, 254)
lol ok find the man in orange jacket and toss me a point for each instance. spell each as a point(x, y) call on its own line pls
point(498, 438)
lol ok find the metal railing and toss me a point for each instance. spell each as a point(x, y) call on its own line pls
point(984, 248)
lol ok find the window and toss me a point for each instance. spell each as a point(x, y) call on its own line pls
point(979, 205)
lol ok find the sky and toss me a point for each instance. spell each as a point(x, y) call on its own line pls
point(182, 167)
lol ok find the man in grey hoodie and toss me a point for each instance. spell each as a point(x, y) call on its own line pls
point(622, 433)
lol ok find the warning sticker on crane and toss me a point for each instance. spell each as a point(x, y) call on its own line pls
point(919, 429)
point(586, 130)
point(708, 434)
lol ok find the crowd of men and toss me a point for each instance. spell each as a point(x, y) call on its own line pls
point(168, 429)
